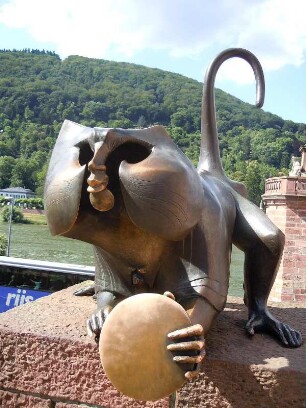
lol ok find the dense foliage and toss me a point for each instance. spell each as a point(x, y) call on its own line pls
point(38, 91)
point(31, 203)
point(3, 244)
point(17, 215)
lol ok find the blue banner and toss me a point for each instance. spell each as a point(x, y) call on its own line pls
point(11, 297)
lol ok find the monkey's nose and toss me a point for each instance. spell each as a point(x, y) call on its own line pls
point(93, 167)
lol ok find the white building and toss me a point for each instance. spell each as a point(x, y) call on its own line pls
point(17, 192)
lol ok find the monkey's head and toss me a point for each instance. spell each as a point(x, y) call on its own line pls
point(109, 171)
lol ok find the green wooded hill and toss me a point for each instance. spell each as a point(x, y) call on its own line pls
point(38, 91)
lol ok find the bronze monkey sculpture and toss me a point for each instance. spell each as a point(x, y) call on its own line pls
point(159, 225)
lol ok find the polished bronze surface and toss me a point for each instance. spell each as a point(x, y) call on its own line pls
point(133, 346)
point(157, 224)
point(64, 180)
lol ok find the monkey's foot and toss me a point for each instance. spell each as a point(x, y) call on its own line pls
point(188, 344)
point(264, 322)
point(86, 291)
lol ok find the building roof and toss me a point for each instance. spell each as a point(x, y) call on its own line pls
point(17, 190)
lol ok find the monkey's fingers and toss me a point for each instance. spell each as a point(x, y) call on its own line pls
point(187, 345)
point(195, 330)
point(190, 375)
point(88, 290)
point(189, 359)
point(95, 323)
point(89, 327)
point(169, 295)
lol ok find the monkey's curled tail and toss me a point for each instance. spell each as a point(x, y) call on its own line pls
point(209, 154)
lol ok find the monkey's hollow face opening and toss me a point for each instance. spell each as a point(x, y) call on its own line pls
point(131, 152)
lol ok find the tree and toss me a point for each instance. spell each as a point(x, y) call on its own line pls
point(256, 174)
point(23, 174)
point(41, 176)
point(141, 121)
point(17, 215)
point(7, 164)
point(30, 203)
point(3, 244)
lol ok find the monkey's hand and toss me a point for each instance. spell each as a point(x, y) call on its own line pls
point(95, 322)
point(188, 348)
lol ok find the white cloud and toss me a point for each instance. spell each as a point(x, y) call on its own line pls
point(276, 33)
point(273, 29)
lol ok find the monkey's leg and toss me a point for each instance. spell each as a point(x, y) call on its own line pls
point(263, 244)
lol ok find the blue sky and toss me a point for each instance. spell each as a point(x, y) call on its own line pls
point(181, 36)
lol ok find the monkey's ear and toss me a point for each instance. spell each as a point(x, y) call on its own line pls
point(163, 194)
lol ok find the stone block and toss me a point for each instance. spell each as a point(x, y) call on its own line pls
point(16, 399)
point(46, 354)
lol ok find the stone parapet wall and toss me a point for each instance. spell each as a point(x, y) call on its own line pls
point(47, 360)
point(285, 186)
point(285, 205)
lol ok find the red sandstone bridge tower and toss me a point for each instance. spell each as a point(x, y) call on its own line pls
point(285, 203)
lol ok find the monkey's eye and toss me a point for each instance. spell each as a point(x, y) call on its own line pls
point(86, 153)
